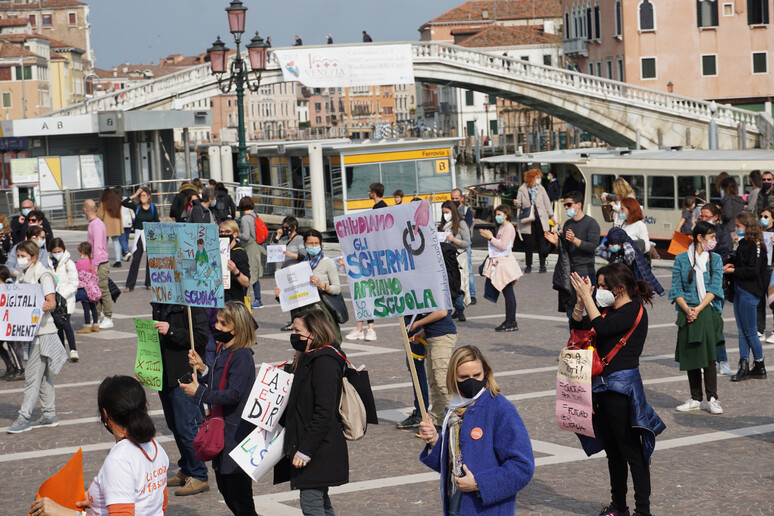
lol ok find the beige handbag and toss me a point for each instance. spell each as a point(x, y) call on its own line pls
point(352, 412)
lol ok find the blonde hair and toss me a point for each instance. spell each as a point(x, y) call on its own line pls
point(236, 314)
point(464, 355)
point(622, 188)
point(230, 225)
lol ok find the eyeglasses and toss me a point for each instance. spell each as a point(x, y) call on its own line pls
point(33, 220)
point(569, 204)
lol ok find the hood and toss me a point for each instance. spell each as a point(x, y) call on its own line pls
point(187, 186)
point(65, 257)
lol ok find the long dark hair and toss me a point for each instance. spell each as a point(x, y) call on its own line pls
point(619, 275)
point(455, 217)
point(701, 229)
point(123, 399)
point(111, 203)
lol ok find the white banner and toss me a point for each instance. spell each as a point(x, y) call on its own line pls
point(268, 397)
point(21, 307)
point(275, 253)
point(295, 288)
point(341, 67)
point(225, 256)
point(259, 452)
point(394, 262)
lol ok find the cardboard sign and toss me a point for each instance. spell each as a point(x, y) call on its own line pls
point(295, 288)
point(275, 253)
point(148, 366)
point(184, 262)
point(21, 306)
point(259, 452)
point(573, 391)
point(496, 252)
point(268, 397)
point(395, 266)
point(65, 487)
point(225, 256)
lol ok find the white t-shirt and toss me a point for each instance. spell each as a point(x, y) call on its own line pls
point(127, 476)
point(638, 231)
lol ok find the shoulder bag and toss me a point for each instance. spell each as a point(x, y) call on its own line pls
point(584, 339)
point(336, 306)
point(527, 215)
point(210, 440)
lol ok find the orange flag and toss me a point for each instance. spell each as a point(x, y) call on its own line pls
point(680, 243)
point(66, 486)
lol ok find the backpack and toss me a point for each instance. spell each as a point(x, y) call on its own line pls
point(261, 231)
point(89, 282)
point(153, 210)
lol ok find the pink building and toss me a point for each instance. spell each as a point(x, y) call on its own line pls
point(710, 49)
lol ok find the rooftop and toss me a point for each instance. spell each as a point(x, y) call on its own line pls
point(10, 51)
point(42, 4)
point(488, 10)
point(14, 22)
point(509, 35)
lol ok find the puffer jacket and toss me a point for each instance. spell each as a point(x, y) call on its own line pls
point(66, 279)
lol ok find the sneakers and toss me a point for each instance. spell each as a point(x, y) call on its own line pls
point(689, 405)
point(370, 335)
point(461, 316)
point(20, 425)
point(257, 304)
point(473, 300)
point(106, 323)
point(193, 486)
point(506, 326)
point(543, 269)
point(761, 335)
point(117, 265)
point(410, 422)
point(528, 269)
point(355, 335)
point(178, 480)
point(85, 329)
point(45, 422)
point(74, 356)
point(287, 327)
point(724, 368)
point(11, 371)
point(611, 510)
point(713, 406)
point(127, 256)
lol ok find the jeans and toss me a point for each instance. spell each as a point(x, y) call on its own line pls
point(472, 287)
point(257, 291)
point(184, 417)
point(104, 305)
point(89, 312)
point(117, 247)
point(316, 502)
point(38, 384)
point(439, 352)
point(419, 365)
point(720, 354)
point(745, 305)
point(134, 268)
point(237, 491)
point(459, 303)
point(123, 239)
point(510, 302)
point(67, 331)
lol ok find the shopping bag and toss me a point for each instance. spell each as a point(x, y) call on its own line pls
point(259, 452)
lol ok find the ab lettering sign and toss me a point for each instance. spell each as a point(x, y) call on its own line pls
point(21, 307)
point(259, 452)
point(268, 398)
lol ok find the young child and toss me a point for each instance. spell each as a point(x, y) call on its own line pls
point(86, 272)
point(686, 222)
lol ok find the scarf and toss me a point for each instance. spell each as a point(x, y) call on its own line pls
point(313, 262)
point(453, 421)
point(533, 191)
point(699, 264)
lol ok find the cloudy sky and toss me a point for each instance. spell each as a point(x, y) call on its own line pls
point(142, 31)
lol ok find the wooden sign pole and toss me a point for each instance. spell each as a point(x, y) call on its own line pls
point(413, 369)
point(191, 333)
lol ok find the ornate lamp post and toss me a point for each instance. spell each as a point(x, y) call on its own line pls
point(238, 74)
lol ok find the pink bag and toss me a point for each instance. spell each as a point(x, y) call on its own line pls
point(209, 442)
point(89, 282)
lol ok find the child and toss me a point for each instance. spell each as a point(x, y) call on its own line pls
point(686, 222)
point(85, 274)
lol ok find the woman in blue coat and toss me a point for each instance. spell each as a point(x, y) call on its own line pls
point(483, 453)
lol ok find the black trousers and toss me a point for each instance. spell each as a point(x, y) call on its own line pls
point(710, 382)
point(134, 268)
point(536, 239)
point(237, 491)
point(622, 447)
point(510, 302)
point(67, 330)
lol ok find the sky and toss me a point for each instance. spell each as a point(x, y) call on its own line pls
point(142, 31)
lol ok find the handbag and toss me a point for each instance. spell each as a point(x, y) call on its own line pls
point(59, 313)
point(210, 440)
point(585, 339)
point(114, 290)
point(336, 306)
point(357, 406)
point(607, 212)
point(527, 215)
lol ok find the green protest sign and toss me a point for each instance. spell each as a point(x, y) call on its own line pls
point(147, 367)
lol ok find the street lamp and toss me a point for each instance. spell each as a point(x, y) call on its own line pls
point(239, 74)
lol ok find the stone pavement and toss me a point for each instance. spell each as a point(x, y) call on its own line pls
point(703, 464)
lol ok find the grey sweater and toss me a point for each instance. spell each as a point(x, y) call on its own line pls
point(587, 230)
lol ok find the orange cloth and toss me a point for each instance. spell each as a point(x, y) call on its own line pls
point(679, 244)
point(121, 509)
point(65, 487)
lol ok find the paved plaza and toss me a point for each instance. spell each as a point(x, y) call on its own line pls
point(703, 464)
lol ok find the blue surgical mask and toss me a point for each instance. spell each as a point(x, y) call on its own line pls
point(765, 222)
point(26, 211)
point(1, 226)
point(213, 203)
point(571, 212)
point(500, 219)
point(740, 232)
point(614, 248)
point(622, 215)
point(313, 251)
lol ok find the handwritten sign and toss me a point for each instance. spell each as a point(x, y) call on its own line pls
point(268, 397)
point(147, 366)
point(295, 288)
point(259, 452)
point(496, 252)
point(185, 265)
point(275, 253)
point(225, 256)
point(394, 262)
point(21, 306)
point(573, 391)
point(442, 236)
point(767, 240)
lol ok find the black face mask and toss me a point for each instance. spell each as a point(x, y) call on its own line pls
point(470, 387)
point(286, 230)
point(298, 342)
point(457, 203)
point(223, 337)
point(767, 184)
point(230, 237)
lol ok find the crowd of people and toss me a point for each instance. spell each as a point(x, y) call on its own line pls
point(727, 260)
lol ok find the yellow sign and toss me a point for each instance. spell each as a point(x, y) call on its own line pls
point(442, 166)
point(362, 204)
point(397, 156)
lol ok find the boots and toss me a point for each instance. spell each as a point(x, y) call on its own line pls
point(744, 371)
point(9, 372)
point(758, 370)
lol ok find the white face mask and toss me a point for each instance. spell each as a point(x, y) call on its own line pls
point(23, 263)
point(57, 256)
point(447, 217)
point(41, 243)
point(604, 298)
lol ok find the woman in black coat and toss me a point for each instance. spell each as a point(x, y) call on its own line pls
point(315, 449)
point(235, 335)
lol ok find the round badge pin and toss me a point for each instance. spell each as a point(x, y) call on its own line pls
point(477, 433)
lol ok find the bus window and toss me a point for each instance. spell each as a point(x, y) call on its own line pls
point(690, 186)
point(432, 177)
point(399, 175)
point(661, 192)
point(359, 178)
point(638, 185)
point(600, 184)
point(715, 193)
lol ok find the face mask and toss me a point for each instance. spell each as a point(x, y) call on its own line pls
point(764, 222)
point(230, 237)
point(57, 256)
point(622, 215)
point(709, 245)
point(213, 203)
point(85, 216)
point(604, 298)
point(614, 248)
point(470, 387)
point(447, 217)
point(223, 337)
point(766, 185)
point(1, 225)
point(285, 230)
point(538, 181)
point(500, 219)
point(298, 342)
point(313, 251)
point(457, 203)
point(23, 263)
point(571, 212)
point(41, 243)
point(740, 232)
point(26, 211)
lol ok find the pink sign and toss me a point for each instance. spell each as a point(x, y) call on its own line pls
point(573, 392)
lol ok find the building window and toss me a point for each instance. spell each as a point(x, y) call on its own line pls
point(317, 106)
point(620, 64)
point(618, 19)
point(757, 12)
point(647, 16)
point(470, 128)
point(547, 60)
point(647, 68)
point(591, 68)
point(709, 65)
point(33, 20)
point(566, 25)
point(707, 13)
point(318, 119)
point(7, 99)
point(47, 20)
point(72, 18)
point(27, 73)
point(597, 23)
point(468, 98)
point(493, 126)
point(525, 59)
point(609, 68)
point(493, 100)
point(760, 62)
point(728, 9)
point(589, 26)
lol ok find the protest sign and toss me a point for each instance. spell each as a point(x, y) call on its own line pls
point(148, 367)
point(65, 487)
point(496, 252)
point(295, 288)
point(442, 236)
point(225, 256)
point(275, 253)
point(573, 391)
point(395, 266)
point(259, 452)
point(21, 306)
point(268, 397)
point(767, 240)
point(184, 262)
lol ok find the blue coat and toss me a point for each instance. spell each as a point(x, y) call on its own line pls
point(501, 460)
